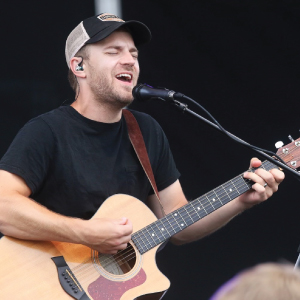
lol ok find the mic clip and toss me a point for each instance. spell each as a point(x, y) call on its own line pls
point(181, 106)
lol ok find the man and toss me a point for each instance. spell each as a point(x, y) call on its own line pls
point(71, 159)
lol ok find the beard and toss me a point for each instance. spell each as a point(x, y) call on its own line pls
point(106, 93)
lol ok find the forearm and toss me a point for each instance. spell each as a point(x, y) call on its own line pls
point(210, 223)
point(23, 218)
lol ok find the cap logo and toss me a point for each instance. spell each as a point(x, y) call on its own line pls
point(109, 17)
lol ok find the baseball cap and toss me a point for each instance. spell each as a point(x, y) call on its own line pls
point(99, 27)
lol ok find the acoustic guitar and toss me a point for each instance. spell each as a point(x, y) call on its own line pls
point(62, 271)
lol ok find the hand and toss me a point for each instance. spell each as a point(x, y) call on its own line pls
point(260, 191)
point(106, 235)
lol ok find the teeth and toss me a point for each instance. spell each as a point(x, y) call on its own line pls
point(124, 75)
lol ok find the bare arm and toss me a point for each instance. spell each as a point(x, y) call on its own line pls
point(23, 218)
point(172, 198)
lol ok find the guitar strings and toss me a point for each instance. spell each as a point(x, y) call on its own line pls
point(204, 203)
point(124, 256)
point(124, 259)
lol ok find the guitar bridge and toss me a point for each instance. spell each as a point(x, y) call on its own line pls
point(67, 279)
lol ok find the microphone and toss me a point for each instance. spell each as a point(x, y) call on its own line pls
point(143, 92)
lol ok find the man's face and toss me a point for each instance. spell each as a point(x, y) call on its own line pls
point(113, 69)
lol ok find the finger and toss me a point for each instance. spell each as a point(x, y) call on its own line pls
point(266, 176)
point(278, 175)
point(118, 248)
point(124, 239)
point(255, 162)
point(259, 189)
point(127, 229)
point(255, 178)
point(270, 179)
point(122, 221)
point(122, 246)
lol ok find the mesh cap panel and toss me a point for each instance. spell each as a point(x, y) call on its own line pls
point(76, 39)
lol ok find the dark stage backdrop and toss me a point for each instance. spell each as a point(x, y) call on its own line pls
point(239, 59)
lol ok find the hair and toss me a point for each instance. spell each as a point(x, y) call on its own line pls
point(84, 54)
point(264, 282)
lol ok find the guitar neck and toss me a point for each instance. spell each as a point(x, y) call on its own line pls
point(162, 229)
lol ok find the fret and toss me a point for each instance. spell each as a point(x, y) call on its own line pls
point(235, 186)
point(164, 226)
point(230, 190)
point(197, 204)
point(166, 220)
point(139, 241)
point(202, 211)
point(179, 220)
point(262, 166)
point(214, 199)
point(269, 165)
point(144, 240)
point(196, 207)
point(162, 229)
point(221, 193)
point(203, 208)
point(185, 216)
point(136, 241)
point(209, 207)
point(244, 187)
point(153, 237)
point(248, 182)
point(192, 213)
point(149, 234)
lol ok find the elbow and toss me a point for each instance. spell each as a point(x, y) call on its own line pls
point(179, 240)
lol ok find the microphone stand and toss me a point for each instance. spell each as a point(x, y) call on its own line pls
point(147, 92)
point(184, 108)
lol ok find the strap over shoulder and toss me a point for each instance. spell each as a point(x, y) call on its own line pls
point(137, 141)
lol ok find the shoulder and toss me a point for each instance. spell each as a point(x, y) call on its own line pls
point(145, 121)
point(152, 132)
point(45, 123)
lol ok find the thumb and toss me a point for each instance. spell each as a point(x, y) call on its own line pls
point(123, 221)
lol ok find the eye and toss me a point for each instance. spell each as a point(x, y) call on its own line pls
point(112, 53)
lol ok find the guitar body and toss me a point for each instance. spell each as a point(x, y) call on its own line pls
point(28, 272)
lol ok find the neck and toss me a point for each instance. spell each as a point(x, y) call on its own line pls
point(93, 110)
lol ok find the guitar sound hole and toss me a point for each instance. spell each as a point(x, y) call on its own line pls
point(120, 263)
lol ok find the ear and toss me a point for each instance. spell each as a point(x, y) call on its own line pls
point(74, 62)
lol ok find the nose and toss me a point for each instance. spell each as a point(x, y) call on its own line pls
point(128, 59)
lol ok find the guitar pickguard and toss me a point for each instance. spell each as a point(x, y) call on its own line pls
point(104, 288)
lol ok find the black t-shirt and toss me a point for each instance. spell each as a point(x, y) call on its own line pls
point(72, 164)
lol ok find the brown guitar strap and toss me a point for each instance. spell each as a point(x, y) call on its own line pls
point(137, 141)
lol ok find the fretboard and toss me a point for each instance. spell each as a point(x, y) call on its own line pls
point(162, 229)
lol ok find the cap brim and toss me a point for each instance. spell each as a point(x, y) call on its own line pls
point(139, 31)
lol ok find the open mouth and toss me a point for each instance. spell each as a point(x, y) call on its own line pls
point(124, 77)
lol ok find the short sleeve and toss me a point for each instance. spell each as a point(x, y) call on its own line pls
point(166, 172)
point(30, 154)
point(161, 158)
